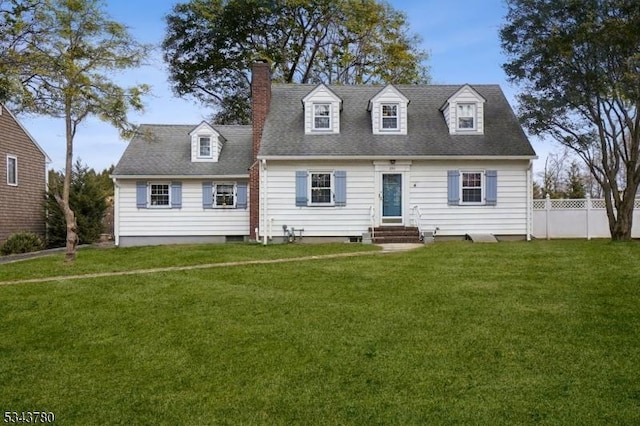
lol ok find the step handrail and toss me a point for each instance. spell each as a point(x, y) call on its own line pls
point(372, 221)
point(418, 219)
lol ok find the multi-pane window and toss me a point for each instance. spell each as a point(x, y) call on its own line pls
point(390, 116)
point(224, 195)
point(321, 188)
point(466, 116)
point(471, 187)
point(204, 147)
point(322, 116)
point(12, 170)
point(159, 194)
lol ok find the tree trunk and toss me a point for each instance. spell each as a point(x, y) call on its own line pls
point(69, 215)
point(621, 225)
point(72, 231)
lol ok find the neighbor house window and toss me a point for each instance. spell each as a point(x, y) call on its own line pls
point(224, 195)
point(159, 195)
point(321, 188)
point(466, 116)
point(321, 116)
point(389, 116)
point(471, 187)
point(12, 170)
point(204, 147)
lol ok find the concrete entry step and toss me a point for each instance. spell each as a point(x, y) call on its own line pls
point(482, 238)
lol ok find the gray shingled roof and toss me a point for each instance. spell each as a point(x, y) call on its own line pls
point(159, 149)
point(427, 133)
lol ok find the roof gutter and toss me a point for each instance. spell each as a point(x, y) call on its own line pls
point(179, 176)
point(395, 157)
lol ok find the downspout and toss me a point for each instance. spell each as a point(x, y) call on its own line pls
point(529, 200)
point(116, 212)
point(263, 201)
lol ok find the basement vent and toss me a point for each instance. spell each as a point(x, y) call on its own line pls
point(234, 239)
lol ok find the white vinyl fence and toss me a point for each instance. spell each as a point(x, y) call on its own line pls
point(576, 218)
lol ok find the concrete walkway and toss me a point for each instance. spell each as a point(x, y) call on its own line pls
point(386, 248)
point(399, 247)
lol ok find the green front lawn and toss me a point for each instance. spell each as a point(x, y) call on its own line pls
point(509, 333)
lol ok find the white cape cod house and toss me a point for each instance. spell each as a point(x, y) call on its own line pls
point(332, 163)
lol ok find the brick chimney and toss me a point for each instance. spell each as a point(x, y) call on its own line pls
point(260, 100)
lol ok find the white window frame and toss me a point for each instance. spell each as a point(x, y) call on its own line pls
point(150, 194)
point(200, 140)
point(382, 117)
point(314, 116)
point(463, 187)
point(14, 181)
point(331, 187)
point(473, 116)
point(234, 194)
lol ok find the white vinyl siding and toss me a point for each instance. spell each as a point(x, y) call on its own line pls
point(350, 219)
point(189, 220)
point(429, 190)
point(426, 186)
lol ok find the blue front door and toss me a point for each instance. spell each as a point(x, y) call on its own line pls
point(391, 195)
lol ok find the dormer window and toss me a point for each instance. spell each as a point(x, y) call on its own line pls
point(204, 147)
point(389, 116)
point(464, 112)
point(388, 112)
point(321, 111)
point(321, 116)
point(466, 116)
point(206, 144)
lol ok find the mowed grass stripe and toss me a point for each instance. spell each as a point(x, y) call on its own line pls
point(186, 268)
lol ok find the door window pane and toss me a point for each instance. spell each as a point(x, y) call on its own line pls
point(392, 195)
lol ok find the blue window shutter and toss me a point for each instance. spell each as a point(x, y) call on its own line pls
point(301, 188)
point(141, 195)
point(341, 188)
point(176, 195)
point(453, 187)
point(492, 187)
point(241, 201)
point(207, 195)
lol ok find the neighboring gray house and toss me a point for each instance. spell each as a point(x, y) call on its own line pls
point(332, 162)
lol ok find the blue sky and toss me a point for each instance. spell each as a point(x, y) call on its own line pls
point(461, 36)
